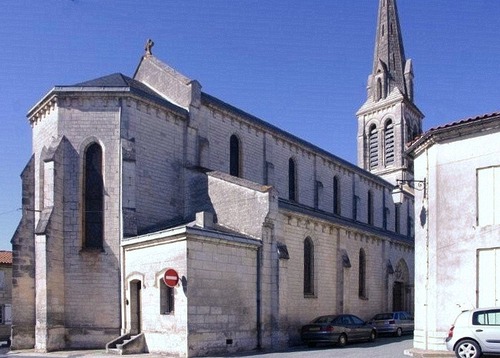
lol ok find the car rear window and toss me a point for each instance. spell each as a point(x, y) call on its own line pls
point(382, 316)
point(486, 318)
point(323, 319)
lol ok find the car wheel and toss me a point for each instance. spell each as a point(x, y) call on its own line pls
point(373, 335)
point(399, 332)
point(342, 340)
point(467, 349)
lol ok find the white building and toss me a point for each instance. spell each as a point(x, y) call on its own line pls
point(457, 243)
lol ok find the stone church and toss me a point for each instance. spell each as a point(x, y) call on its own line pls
point(159, 218)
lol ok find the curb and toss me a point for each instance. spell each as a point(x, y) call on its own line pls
point(420, 353)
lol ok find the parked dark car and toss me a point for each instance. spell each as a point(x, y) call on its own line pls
point(397, 323)
point(337, 329)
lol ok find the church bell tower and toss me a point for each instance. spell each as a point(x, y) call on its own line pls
point(389, 119)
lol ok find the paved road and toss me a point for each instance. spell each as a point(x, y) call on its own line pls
point(383, 347)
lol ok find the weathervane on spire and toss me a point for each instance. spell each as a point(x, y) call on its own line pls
point(148, 47)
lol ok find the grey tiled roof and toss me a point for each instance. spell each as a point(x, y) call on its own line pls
point(115, 80)
point(119, 80)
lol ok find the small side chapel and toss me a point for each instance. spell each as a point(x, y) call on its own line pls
point(158, 218)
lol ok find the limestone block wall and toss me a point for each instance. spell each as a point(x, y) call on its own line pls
point(49, 251)
point(265, 151)
point(298, 307)
point(240, 205)
point(167, 81)
point(88, 322)
point(23, 267)
point(222, 297)
point(217, 127)
point(157, 138)
point(336, 287)
point(264, 157)
point(305, 167)
point(69, 296)
point(326, 172)
point(48, 283)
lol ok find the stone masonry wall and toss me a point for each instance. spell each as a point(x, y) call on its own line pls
point(261, 146)
point(69, 124)
point(88, 322)
point(222, 297)
point(335, 286)
point(158, 144)
point(240, 205)
point(23, 267)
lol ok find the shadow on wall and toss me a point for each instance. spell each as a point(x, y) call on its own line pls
point(423, 216)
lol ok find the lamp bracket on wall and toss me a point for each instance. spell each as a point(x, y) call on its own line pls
point(402, 186)
point(412, 183)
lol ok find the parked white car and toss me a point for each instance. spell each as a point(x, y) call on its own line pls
point(475, 332)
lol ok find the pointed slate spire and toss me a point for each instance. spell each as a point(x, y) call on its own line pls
point(389, 60)
point(389, 118)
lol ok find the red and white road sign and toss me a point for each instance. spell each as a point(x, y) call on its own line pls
point(171, 278)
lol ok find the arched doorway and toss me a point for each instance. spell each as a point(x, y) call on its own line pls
point(400, 299)
point(135, 306)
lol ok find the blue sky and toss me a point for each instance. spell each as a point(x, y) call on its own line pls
point(299, 65)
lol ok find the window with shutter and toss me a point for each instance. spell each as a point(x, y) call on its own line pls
point(373, 147)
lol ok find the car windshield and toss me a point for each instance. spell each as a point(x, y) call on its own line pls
point(382, 316)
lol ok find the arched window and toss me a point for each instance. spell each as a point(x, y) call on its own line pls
point(379, 93)
point(362, 274)
point(166, 298)
point(308, 266)
point(93, 198)
point(373, 146)
point(385, 219)
point(234, 156)
point(389, 142)
point(292, 180)
point(336, 195)
point(370, 208)
point(409, 227)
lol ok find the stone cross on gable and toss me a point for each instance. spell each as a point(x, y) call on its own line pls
point(148, 47)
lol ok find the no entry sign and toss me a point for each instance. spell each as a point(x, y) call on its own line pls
point(171, 278)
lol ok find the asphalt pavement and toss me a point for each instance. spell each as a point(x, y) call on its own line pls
point(383, 347)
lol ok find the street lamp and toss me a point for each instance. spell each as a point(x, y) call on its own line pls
point(398, 193)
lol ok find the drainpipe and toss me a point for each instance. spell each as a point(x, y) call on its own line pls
point(121, 255)
point(259, 297)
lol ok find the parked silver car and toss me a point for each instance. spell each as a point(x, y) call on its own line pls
point(337, 329)
point(396, 323)
point(475, 332)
